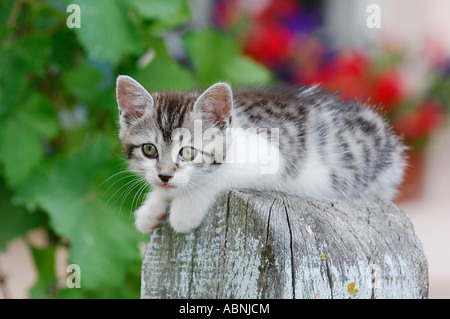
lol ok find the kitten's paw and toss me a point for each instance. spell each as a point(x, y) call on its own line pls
point(148, 217)
point(184, 220)
point(146, 224)
point(181, 227)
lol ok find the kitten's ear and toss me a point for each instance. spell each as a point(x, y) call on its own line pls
point(132, 98)
point(215, 104)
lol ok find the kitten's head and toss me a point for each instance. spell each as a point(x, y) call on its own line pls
point(173, 138)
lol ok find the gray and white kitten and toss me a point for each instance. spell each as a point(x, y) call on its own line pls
point(299, 140)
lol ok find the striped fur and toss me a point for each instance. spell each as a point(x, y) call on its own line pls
point(325, 148)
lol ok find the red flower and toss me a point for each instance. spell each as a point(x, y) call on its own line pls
point(270, 45)
point(388, 89)
point(353, 64)
point(352, 74)
point(431, 114)
point(277, 11)
point(421, 122)
point(348, 74)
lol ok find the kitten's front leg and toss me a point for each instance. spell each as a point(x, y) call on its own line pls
point(188, 210)
point(152, 211)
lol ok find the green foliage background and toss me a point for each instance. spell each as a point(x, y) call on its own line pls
point(61, 167)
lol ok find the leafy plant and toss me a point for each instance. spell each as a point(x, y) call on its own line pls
point(61, 167)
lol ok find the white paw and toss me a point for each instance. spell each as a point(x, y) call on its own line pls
point(149, 216)
point(185, 218)
point(181, 226)
point(146, 224)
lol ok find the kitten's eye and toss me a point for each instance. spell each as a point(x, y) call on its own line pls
point(149, 150)
point(187, 153)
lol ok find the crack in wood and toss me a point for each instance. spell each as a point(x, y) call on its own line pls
point(291, 245)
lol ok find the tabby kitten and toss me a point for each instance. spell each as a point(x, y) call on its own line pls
point(299, 140)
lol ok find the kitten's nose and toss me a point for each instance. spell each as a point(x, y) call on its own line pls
point(164, 178)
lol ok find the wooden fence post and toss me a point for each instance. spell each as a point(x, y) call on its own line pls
point(271, 245)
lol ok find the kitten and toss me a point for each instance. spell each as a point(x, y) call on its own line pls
point(299, 140)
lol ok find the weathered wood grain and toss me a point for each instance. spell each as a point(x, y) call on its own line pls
point(271, 245)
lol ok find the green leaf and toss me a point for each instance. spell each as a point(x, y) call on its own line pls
point(164, 74)
point(103, 243)
point(174, 20)
point(37, 113)
point(21, 148)
point(105, 32)
point(243, 70)
point(20, 58)
point(20, 151)
point(32, 52)
point(158, 9)
point(126, 290)
point(210, 53)
point(83, 82)
point(15, 220)
point(165, 14)
point(12, 82)
point(217, 58)
point(44, 260)
point(5, 11)
point(65, 48)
